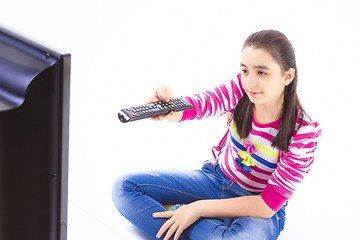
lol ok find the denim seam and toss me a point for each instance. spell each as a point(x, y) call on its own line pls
point(175, 190)
point(224, 187)
point(224, 177)
point(228, 187)
point(219, 174)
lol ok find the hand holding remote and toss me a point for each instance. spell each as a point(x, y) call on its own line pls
point(160, 106)
point(164, 93)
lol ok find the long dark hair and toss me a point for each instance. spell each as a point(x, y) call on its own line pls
point(276, 44)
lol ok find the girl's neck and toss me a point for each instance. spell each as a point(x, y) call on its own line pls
point(264, 114)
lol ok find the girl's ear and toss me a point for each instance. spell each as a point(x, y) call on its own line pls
point(289, 76)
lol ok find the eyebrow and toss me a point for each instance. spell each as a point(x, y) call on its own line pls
point(256, 67)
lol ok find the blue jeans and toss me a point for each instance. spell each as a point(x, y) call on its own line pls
point(138, 196)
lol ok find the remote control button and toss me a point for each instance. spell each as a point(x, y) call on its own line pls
point(134, 114)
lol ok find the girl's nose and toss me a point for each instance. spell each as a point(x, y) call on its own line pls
point(252, 81)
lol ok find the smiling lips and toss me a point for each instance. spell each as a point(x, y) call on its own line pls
point(254, 94)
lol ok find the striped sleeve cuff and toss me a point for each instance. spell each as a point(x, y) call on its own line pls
point(274, 199)
point(189, 114)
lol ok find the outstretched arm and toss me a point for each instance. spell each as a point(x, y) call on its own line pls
point(220, 100)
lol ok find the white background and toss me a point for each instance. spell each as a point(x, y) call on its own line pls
point(122, 50)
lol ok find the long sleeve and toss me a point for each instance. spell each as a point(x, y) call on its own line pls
point(220, 100)
point(294, 164)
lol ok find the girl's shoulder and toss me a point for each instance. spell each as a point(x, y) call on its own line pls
point(306, 129)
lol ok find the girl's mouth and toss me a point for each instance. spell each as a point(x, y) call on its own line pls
point(254, 94)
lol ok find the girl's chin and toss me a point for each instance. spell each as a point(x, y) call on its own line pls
point(256, 99)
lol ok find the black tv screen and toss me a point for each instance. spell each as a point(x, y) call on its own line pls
point(34, 139)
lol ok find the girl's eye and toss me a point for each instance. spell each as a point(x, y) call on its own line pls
point(244, 71)
point(261, 73)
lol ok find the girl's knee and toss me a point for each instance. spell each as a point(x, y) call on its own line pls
point(121, 187)
point(255, 228)
point(122, 184)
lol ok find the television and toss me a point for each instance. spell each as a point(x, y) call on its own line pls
point(34, 138)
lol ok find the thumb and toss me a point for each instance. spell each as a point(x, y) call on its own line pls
point(164, 93)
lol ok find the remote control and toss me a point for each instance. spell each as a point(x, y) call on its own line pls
point(153, 109)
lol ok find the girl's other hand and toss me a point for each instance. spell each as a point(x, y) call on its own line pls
point(164, 93)
point(178, 221)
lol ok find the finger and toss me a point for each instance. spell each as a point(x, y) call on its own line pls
point(178, 233)
point(166, 214)
point(164, 93)
point(171, 230)
point(157, 118)
point(156, 96)
point(164, 227)
point(153, 99)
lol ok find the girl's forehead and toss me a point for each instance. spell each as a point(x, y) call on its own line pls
point(252, 57)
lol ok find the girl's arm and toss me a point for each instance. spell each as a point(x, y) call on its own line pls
point(248, 206)
point(220, 100)
point(179, 220)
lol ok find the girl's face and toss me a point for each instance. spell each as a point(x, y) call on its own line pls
point(262, 77)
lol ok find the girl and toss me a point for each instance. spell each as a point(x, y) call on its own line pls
point(267, 150)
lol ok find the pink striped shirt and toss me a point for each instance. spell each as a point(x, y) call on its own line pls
point(273, 173)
